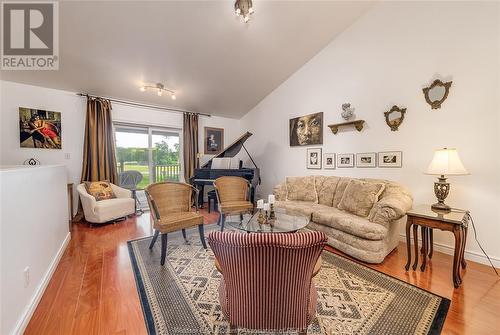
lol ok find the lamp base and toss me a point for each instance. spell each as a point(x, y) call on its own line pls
point(441, 189)
point(441, 206)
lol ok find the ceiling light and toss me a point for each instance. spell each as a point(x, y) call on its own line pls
point(244, 8)
point(160, 88)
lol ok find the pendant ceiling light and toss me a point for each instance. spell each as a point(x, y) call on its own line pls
point(243, 8)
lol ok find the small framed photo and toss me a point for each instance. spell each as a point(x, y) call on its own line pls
point(314, 158)
point(390, 159)
point(366, 160)
point(345, 160)
point(329, 161)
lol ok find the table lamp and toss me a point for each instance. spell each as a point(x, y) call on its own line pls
point(445, 162)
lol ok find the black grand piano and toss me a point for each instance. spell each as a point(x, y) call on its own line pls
point(206, 175)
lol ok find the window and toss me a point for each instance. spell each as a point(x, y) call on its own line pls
point(152, 151)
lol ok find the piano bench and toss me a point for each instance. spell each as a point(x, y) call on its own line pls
point(212, 196)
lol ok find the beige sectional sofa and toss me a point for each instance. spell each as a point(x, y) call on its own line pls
point(362, 217)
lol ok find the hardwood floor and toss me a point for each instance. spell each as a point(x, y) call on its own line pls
point(93, 290)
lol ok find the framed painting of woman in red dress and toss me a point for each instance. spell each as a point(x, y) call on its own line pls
point(39, 128)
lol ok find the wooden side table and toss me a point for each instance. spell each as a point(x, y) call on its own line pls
point(455, 221)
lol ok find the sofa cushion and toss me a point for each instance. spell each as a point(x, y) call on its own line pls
point(301, 207)
point(114, 208)
point(301, 189)
point(365, 250)
point(325, 188)
point(360, 196)
point(339, 191)
point(280, 191)
point(349, 223)
point(100, 190)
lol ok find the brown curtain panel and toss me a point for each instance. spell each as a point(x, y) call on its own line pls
point(99, 160)
point(190, 144)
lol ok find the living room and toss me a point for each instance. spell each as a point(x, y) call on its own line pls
point(349, 130)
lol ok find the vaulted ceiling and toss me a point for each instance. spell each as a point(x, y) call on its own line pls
point(215, 62)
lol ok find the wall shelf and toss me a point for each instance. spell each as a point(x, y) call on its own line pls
point(358, 124)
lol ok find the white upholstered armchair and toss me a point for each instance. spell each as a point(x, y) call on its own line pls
point(106, 210)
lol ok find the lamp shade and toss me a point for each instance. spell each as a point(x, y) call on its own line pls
point(446, 162)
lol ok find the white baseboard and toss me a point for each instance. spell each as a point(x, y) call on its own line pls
point(28, 311)
point(468, 255)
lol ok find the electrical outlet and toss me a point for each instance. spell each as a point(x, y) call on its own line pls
point(67, 155)
point(26, 276)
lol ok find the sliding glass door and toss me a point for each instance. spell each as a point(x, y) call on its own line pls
point(165, 155)
point(153, 151)
point(132, 151)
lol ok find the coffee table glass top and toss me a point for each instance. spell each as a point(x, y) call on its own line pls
point(285, 222)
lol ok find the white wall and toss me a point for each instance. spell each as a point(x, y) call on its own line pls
point(33, 233)
point(385, 58)
point(72, 108)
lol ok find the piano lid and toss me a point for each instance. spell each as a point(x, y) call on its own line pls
point(231, 150)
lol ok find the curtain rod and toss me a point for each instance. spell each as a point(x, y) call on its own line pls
point(137, 104)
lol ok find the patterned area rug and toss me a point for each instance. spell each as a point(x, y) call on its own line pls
point(181, 297)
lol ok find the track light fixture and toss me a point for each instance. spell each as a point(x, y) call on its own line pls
point(160, 88)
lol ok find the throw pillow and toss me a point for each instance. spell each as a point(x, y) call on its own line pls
point(360, 196)
point(301, 188)
point(325, 187)
point(339, 192)
point(100, 190)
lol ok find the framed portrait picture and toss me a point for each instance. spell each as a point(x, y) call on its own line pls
point(390, 159)
point(314, 158)
point(329, 161)
point(345, 160)
point(366, 160)
point(214, 140)
point(306, 130)
point(39, 129)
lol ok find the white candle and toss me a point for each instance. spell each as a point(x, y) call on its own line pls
point(260, 203)
point(266, 207)
point(271, 198)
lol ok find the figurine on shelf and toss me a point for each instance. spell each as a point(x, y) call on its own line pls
point(348, 111)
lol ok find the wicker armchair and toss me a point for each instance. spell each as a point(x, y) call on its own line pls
point(170, 205)
point(267, 278)
point(232, 197)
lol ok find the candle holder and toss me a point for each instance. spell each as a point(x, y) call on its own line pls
point(272, 215)
point(261, 219)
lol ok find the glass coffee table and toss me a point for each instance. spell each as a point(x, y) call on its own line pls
point(286, 222)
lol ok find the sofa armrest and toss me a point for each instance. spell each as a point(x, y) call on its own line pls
point(88, 201)
point(391, 208)
point(279, 192)
point(121, 192)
